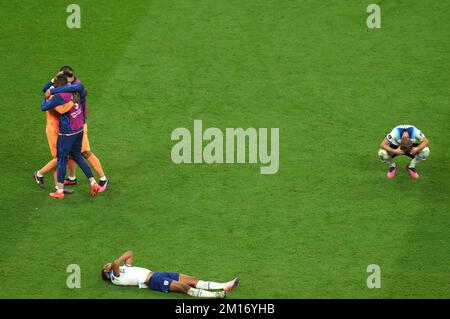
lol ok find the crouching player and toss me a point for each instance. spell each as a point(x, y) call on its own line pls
point(70, 137)
point(129, 275)
point(404, 140)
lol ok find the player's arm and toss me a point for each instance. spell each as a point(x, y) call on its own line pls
point(126, 258)
point(77, 87)
point(421, 146)
point(47, 86)
point(385, 145)
point(51, 103)
point(50, 83)
point(61, 109)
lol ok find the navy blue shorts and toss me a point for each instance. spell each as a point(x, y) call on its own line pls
point(161, 280)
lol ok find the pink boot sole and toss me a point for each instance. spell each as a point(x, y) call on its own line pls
point(392, 174)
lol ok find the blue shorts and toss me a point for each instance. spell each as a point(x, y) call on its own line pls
point(161, 281)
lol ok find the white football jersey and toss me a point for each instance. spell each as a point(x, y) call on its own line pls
point(395, 136)
point(130, 276)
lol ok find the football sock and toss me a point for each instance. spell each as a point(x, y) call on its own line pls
point(103, 178)
point(60, 190)
point(210, 285)
point(39, 174)
point(71, 166)
point(392, 164)
point(95, 163)
point(93, 182)
point(194, 292)
point(72, 178)
point(413, 163)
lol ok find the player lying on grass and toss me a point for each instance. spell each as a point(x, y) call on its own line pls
point(129, 275)
point(74, 85)
point(404, 140)
point(70, 136)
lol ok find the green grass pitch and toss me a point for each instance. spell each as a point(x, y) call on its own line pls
point(313, 69)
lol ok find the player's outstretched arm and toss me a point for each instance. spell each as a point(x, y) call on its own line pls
point(47, 86)
point(50, 83)
point(52, 103)
point(77, 87)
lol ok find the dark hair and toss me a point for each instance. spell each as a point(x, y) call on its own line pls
point(406, 145)
point(61, 79)
point(67, 70)
point(105, 276)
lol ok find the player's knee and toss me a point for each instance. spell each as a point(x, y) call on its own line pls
point(194, 279)
point(384, 155)
point(185, 287)
point(423, 154)
point(177, 286)
point(86, 154)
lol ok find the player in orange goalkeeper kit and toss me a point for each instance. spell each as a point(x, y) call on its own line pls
point(52, 130)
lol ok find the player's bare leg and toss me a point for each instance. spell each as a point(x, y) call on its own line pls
point(420, 156)
point(39, 174)
point(386, 157)
point(209, 285)
point(97, 166)
point(178, 286)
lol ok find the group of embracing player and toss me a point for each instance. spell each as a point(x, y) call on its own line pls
point(67, 135)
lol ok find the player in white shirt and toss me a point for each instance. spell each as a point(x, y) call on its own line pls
point(129, 275)
point(404, 140)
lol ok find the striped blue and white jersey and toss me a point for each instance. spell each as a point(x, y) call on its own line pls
point(395, 136)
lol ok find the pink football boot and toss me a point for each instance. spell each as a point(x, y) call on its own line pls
point(412, 172)
point(391, 172)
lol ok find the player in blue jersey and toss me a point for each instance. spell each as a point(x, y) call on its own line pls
point(404, 140)
point(70, 136)
point(130, 275)
point(75, 85)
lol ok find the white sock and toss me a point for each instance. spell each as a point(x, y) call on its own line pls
point(194, 292)
point(392, 164)
point(93, 182)
point(413, 162)
point(60, 190)
point(39, 174)
point(72, 178)
point(210, 285)
point(103, 178)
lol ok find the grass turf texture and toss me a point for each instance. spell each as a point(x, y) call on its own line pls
point(313, 69)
